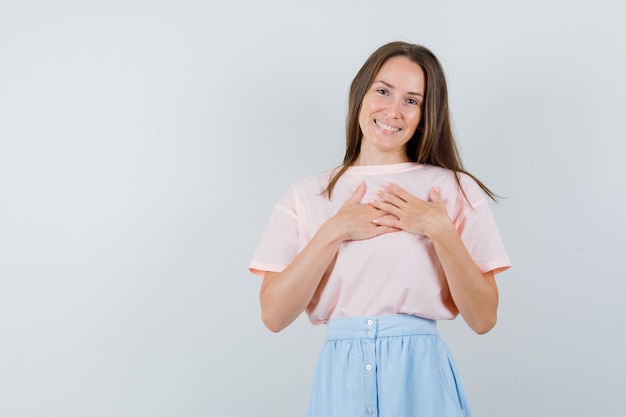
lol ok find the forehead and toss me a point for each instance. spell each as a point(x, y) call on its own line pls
point(402, 73)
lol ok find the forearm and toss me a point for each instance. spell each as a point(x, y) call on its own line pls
point(475, 293)
point(285, 295)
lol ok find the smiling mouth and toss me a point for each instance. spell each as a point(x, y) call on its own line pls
point(386, 128)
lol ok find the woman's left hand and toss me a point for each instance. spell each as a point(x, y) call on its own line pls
point(474, 292)
point(412, 214)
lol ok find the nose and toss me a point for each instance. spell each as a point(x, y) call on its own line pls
point(393, 108)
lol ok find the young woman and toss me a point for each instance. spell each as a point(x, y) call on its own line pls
point(398, 237)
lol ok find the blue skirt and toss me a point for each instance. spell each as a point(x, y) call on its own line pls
point(387, 366)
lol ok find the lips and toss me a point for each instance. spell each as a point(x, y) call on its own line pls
point(386, 128)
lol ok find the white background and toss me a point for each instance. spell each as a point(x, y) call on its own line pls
point(144, 143)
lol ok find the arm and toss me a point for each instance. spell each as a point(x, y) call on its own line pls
point(284, 295)
point(474, 293)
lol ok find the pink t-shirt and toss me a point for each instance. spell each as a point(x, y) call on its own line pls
point(393, 273)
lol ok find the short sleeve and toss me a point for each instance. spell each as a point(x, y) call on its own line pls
point(478, 229)
point(279, 243)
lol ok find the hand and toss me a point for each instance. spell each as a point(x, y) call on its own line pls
point(410, 213)
point(357, 221)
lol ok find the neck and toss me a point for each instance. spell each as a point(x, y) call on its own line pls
point(381, 159)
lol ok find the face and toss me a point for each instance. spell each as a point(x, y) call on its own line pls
point(391, 111)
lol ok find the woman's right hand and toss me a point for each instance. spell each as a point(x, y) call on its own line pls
point(284, 295)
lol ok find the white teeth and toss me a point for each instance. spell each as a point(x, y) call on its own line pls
point(386, 128)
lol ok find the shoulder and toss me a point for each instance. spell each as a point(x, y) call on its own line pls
point(447, 179)
point(443, 177)
point(474, 193)
point(311, 185)
point(439, 173)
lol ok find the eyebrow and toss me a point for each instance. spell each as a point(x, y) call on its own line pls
point(391, 86)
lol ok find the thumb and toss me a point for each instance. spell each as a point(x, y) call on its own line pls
point(435, 194)
point(358, 194)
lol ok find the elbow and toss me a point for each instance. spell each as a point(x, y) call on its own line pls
point(273, 325)
point(270, 310)
point(272, 321)
point(274, 315)
point(485, 325)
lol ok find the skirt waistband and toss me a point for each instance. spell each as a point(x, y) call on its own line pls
point(380, 326)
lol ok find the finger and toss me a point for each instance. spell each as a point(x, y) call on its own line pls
point(388, 221)
point(357, 195)
point(435, 194)
point(381, 230)
point(397, 224)
point(388, 217)
point(385, 206)
point(401, 194)
point(398, 191)
point(391, 198)
point(436, 197)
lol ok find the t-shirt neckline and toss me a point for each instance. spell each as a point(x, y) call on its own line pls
point(382, 169)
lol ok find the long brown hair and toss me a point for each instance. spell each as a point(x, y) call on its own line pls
point(433, 141)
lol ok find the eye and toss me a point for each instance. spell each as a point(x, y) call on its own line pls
point(382, 91)
point(412, 101)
